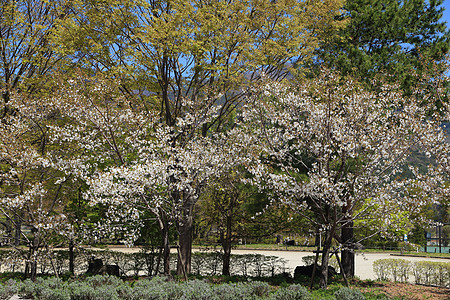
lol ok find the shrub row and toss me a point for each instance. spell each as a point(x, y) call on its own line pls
point(143, 263)
point(113, 288)
point(257, 265)
point(425, 272)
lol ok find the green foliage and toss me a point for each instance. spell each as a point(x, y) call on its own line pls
point(192, 48)
point(346, 293)
point(432, 273)
point(399, 38)
point(292, 292)
point(107, 287)
point(425, 272)
point(8, 289)
point(27, 43)
point(418, 235)
point(397, 269)
point(251, 213)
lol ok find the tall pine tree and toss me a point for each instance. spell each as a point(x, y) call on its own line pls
point(401, 38)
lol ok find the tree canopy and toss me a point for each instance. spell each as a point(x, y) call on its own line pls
point(401, 39)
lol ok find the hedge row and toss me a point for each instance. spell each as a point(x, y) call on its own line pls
point(424, 272)
point(113, 288)
point(142, 263)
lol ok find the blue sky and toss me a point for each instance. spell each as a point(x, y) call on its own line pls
point(446, 16)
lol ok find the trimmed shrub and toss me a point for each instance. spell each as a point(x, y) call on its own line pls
point(257, 288)
point(346, 293)
point(112, 288)
point(197, 290)
point(380, 267)
point(8, 289)
point(231, 291)
point(395, 269)
point(242, 290)
point(432, 273)
point(203, 263)
point(292, 292)
point(425, 272)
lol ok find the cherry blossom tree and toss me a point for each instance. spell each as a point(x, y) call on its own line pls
point(206, 52)
point(334, 149)
point(112, 144)
point(31, 191)
point(128, 158)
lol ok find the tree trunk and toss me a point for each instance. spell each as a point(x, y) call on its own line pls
point(347, 240)
point(33, 270)
point(323, 283)
point(166, 250)
point(33, 260)
point(185, 240)
point(71, 258)
point(165, 247)
point(348, 254)
point(185, 231)
point(18, 231)
point(27, 268)
point(226, 245)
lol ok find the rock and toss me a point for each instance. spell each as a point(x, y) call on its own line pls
point(96, 267)
point(109, 270)
point(289, 242)
point(308, 270)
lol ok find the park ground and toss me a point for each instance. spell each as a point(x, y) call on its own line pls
point(365, 276)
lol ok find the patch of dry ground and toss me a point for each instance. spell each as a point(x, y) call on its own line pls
point(407, 291)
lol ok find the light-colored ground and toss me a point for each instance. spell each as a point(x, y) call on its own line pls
point(363, 262)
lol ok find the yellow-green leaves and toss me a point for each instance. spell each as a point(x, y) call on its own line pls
point(197, 48)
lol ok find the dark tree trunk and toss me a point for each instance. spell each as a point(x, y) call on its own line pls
point(185, 231)
point(323, 283)
point(348, 254)
point(33, 256)
point(185, 241)
point(18, 231)
point(347, 240)
point(165, 247)
point(71, 258)
point(27, 268)
point(226, 245)
point(166, 250)
point(33, 270)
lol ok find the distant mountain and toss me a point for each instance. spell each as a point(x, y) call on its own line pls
point(422, 161)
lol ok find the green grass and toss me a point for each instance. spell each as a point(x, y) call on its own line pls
point(425, 254)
